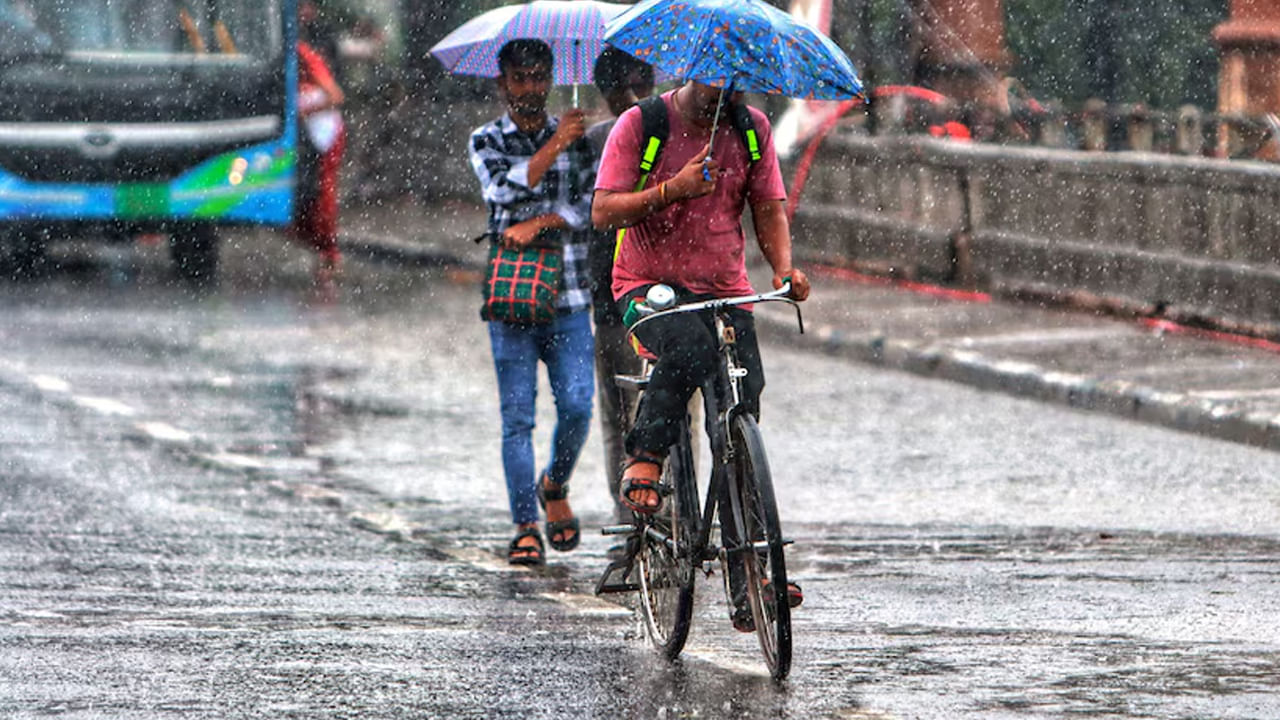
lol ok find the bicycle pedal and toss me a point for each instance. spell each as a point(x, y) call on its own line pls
point(618, 529)
point(638, 382)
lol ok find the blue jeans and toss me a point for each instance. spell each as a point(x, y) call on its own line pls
point(566, 347)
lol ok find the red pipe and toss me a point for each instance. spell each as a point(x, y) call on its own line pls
point(806, 161)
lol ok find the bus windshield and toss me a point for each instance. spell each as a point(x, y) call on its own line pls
point(178, 31)
point(95, 61)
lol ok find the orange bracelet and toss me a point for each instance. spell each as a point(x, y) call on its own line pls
point(662, 193)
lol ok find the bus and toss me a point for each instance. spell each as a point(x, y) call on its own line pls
point(125, 117)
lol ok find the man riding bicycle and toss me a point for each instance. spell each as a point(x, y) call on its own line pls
point(683, 229)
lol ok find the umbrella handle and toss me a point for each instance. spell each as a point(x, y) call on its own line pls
point(715, 124)
point(576, 43)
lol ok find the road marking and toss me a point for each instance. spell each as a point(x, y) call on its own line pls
point(483, 560)
point(233, 461)
point(165, 433)
point(862, 714)
point(383, 523)
point(105, 406)
point(259, 463)
point(712, 656)
point(49, 383)
point(587, 604)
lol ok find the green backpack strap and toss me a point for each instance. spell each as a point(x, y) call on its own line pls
point(655, 128)
point(746, 127)
point(653, 119)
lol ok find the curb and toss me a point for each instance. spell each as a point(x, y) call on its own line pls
point(1098, 394)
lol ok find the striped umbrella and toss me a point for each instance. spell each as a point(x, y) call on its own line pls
point(573, 28)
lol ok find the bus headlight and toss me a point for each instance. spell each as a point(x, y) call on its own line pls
point(238, 166)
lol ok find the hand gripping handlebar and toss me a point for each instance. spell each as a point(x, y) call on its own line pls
point(779, 295)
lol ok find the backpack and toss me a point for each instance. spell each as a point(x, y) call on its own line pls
point(656, 128)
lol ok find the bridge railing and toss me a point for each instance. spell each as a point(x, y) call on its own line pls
point(1191, 238)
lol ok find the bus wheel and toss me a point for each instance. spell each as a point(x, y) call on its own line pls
point(23, 253)
point(194, 251)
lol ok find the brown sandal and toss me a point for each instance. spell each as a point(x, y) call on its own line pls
point(533, 555)
point(641, 472)
point(559, 528)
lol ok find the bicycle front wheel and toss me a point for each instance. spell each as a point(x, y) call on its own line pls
point(760, 544)
point(666, 565)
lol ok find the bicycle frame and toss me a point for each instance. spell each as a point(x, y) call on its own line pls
point(728, 384)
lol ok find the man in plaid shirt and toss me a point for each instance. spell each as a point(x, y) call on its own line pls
point(537, 176)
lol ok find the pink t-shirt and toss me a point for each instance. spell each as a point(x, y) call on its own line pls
point(697, 244)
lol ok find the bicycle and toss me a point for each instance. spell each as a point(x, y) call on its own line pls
point(664, 550)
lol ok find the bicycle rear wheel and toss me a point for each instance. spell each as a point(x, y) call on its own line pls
point(760, 544)
point(666, 566)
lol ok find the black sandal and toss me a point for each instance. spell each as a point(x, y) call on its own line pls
point(518, 554)
point(559, 527)
point(632, 483)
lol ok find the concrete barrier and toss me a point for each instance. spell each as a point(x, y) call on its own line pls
point(1189, 238)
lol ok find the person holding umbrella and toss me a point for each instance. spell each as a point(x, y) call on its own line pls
point(536, 175)
point(683, 216)
point(684, 230)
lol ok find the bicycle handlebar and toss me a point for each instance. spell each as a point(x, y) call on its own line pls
point(779, 295)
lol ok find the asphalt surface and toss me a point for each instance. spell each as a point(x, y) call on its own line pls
point(260, 502)
point(1212, 384)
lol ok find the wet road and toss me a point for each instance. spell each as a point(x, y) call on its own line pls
point(271, 501)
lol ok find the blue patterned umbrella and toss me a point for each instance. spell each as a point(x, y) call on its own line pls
point(745, 45)
point(573, 28)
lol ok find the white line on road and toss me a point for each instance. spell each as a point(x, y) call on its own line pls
point(165, 433)
point(733, 665)
point(587, 604)
point(233, 461)
point(49, 383)
point(479, 559)
point(261, 463)
point(105, 406)
point(383, 523)
point(860, 714)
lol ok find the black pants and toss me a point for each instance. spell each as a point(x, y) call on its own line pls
point(686, 347)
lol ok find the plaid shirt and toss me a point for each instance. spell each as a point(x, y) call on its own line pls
point(500, 155)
